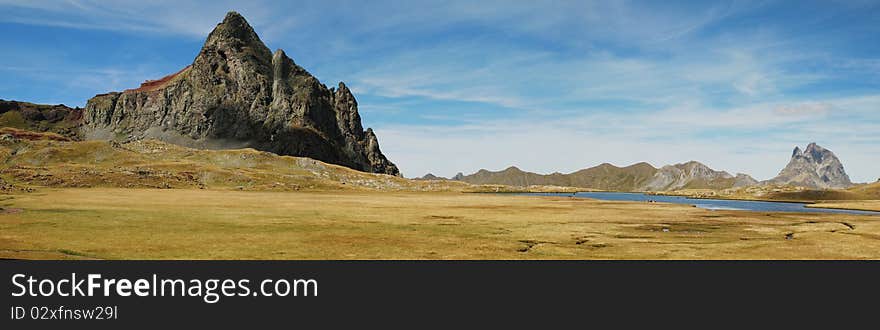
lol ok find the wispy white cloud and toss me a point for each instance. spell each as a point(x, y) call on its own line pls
point(804, 109)
point(188, 18)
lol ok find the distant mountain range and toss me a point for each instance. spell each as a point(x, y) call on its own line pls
point(814, 167)
point(636, 177)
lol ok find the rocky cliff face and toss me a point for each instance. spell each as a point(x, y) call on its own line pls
point(813, 167)
point(235, 94)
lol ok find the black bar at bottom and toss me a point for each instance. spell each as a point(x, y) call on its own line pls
point(454, 293)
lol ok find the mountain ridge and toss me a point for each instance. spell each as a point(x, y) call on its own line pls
point(636, 177)
point(57, 118)
point(813, 167)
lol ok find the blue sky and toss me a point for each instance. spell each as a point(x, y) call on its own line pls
point(455, 86)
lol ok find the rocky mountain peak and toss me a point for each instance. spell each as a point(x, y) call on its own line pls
point(237, 93)
point(813, 167)
point(231, 46)
point(234, 28)
point(816, 153)
point(689, 174)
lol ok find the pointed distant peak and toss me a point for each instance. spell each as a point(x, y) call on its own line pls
point(512, 168)
point(813, 167)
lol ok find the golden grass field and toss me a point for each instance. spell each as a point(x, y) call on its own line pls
point(64, 199)
point(866, 205)
point(124, 223)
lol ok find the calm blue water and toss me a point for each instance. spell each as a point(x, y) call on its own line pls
point(710, 204)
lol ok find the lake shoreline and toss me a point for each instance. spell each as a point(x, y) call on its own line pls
point(806, 207)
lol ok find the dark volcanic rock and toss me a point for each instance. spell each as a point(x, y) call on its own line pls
point(813, 167)
point(238, 94)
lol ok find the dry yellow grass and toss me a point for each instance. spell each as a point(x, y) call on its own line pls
point(866, 205)
point(114, 223)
